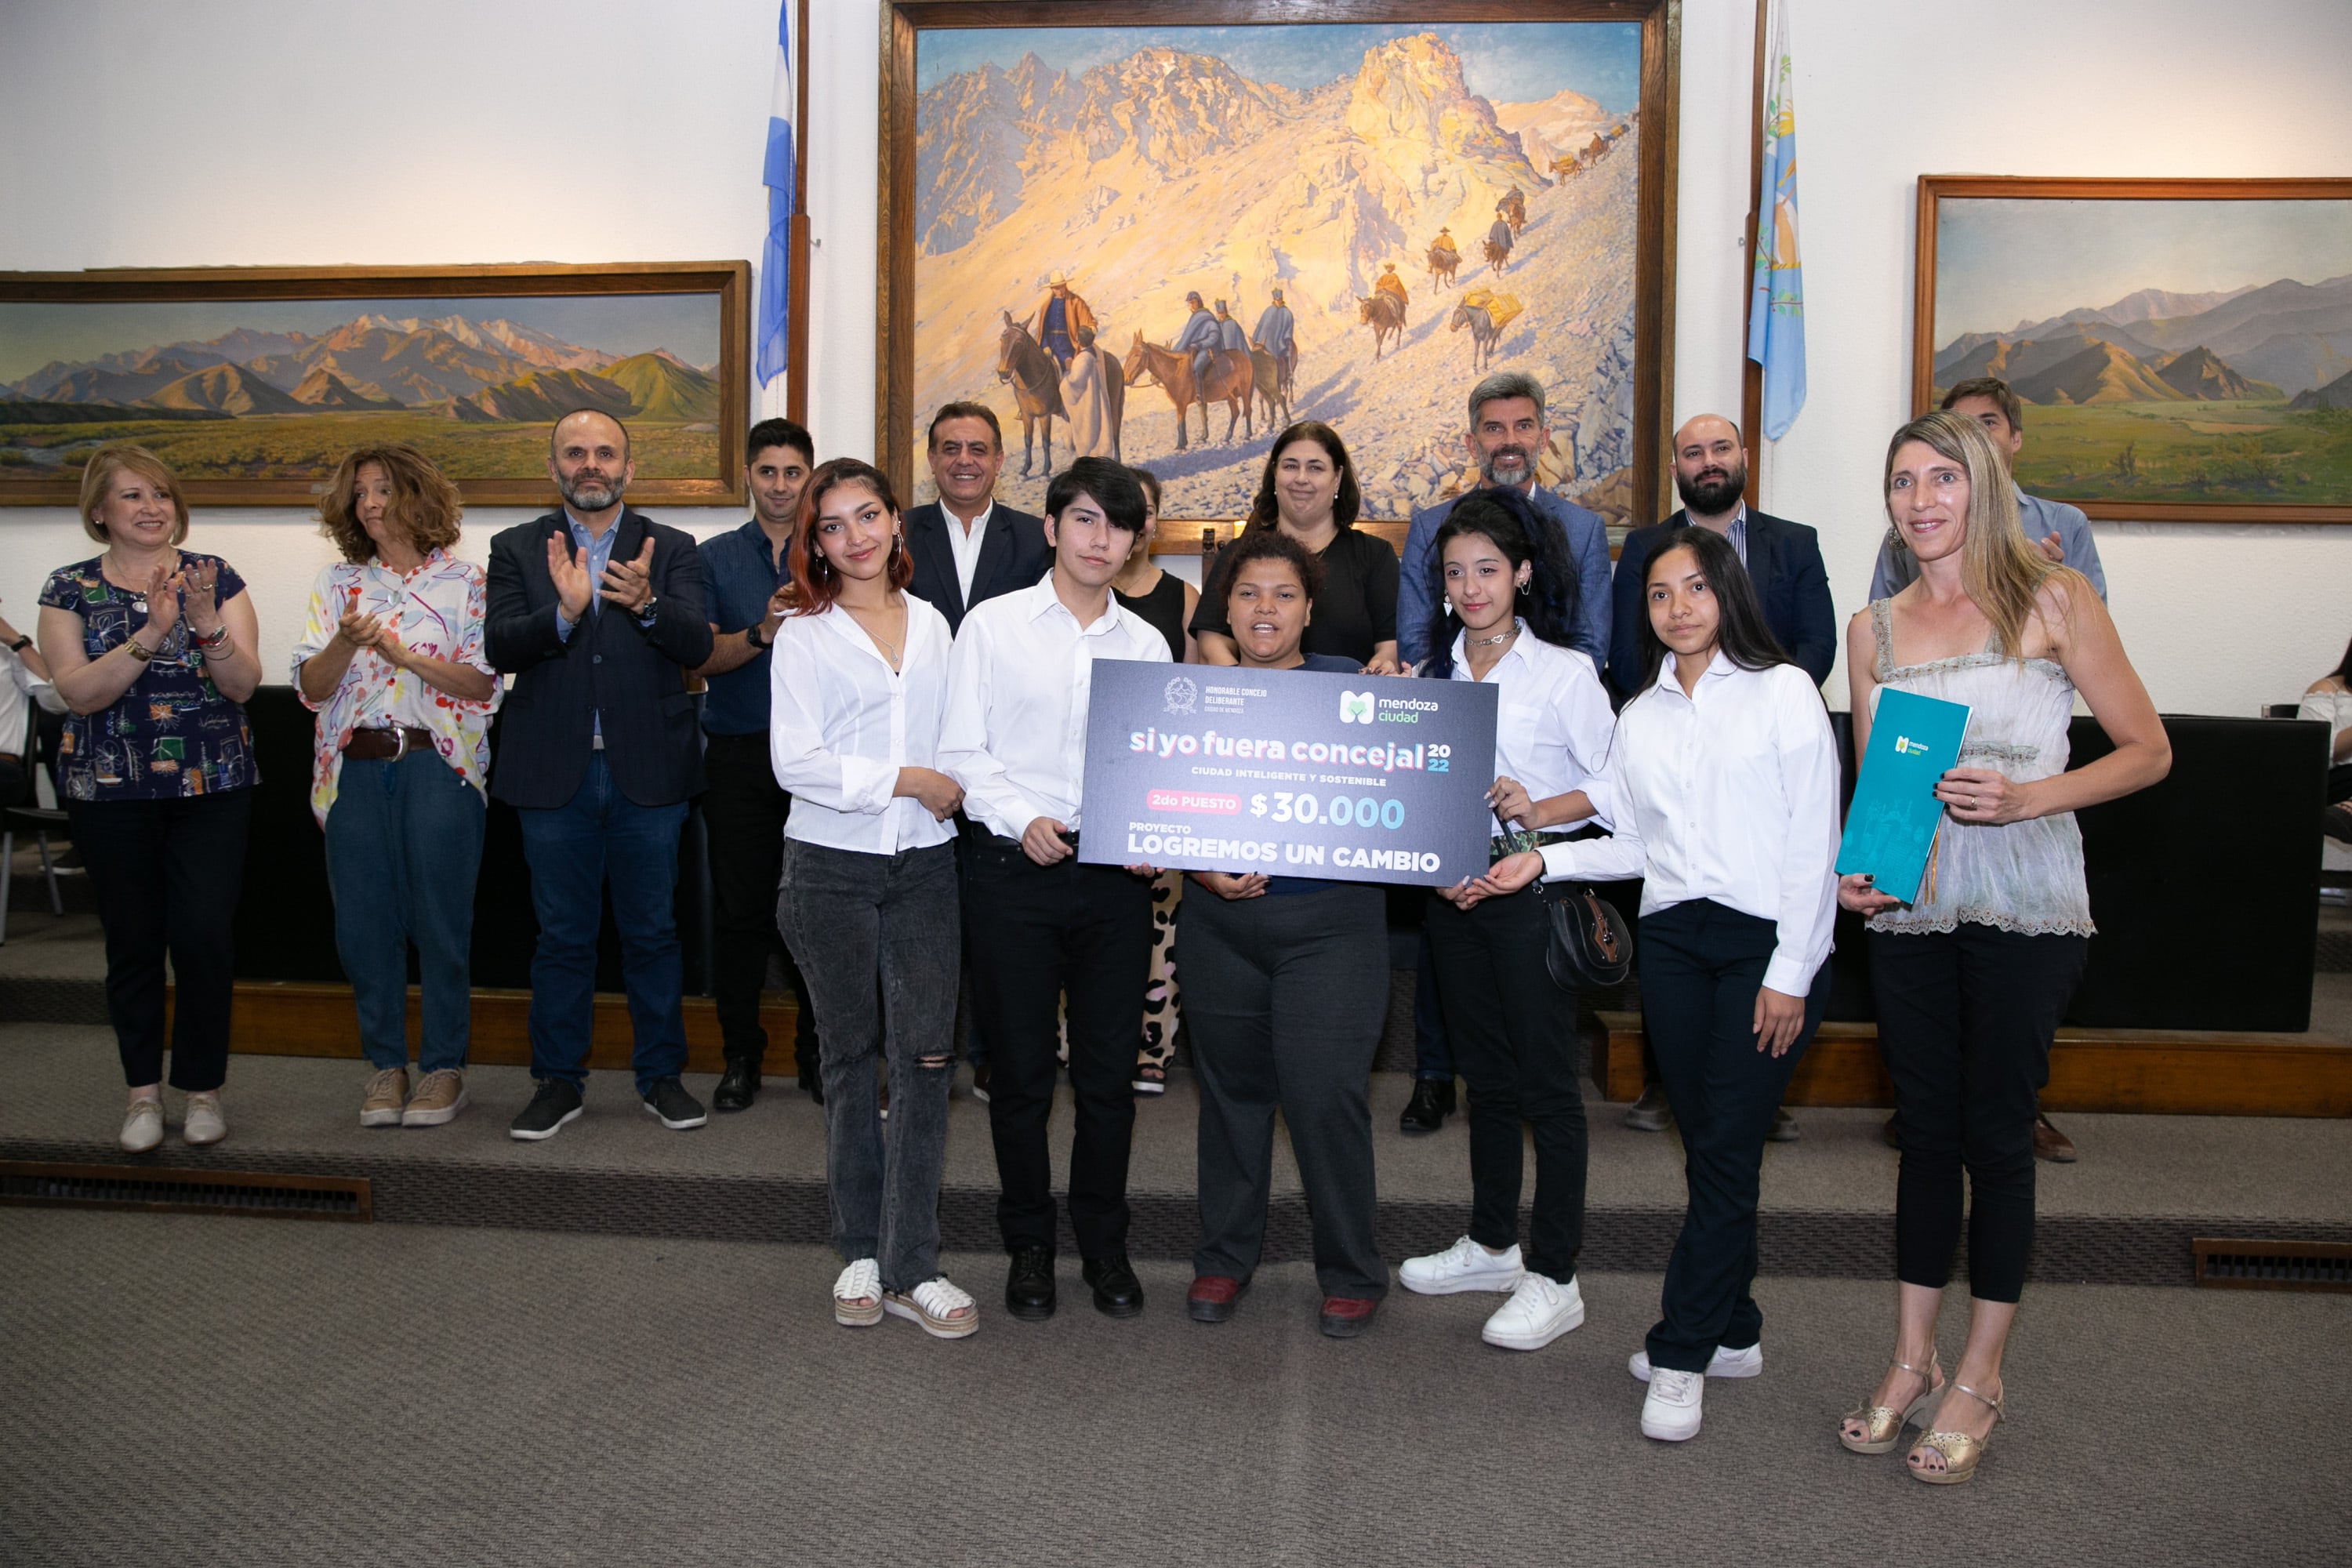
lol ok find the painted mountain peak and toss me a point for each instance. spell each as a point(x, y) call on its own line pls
point(452, 365)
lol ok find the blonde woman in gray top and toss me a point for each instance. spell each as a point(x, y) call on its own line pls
point(1971, 977)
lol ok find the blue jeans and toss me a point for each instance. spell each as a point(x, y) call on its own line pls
point(881, 933)
point(572, 850)
point(404, 844)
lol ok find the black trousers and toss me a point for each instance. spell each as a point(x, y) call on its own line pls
point(744, 814)
point(166, 875)
point(1285, 996)
point(1514, 1038)
point(1702, 964)
point(1040, 933)
point(1965, 1021)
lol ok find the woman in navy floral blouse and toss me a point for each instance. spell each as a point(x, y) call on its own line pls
point(154, 649)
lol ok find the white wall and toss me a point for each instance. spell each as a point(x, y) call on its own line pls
point(434, 131)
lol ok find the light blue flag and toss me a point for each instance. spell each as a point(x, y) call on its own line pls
point(1776, 298)
point(774, 333)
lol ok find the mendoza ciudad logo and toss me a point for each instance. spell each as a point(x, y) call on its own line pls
point(1365, 708)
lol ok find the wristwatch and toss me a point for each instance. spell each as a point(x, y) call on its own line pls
point(20, 645)
point(646, 610)
point(751, 635)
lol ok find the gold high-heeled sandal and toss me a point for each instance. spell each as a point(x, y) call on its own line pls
point(1959, 1452)
point(1883, 1422)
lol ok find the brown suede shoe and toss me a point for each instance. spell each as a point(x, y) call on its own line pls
point(2050, 1145)
point(386, 1092)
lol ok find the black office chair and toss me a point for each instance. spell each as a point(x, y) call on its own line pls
point(38, 820)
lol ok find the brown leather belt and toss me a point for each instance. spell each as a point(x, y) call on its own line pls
point(387, 745)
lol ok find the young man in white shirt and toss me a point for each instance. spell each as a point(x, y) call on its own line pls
point(1040, 925)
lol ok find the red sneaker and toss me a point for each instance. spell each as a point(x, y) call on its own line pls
point(1212, 1298)
point(1345, 1317)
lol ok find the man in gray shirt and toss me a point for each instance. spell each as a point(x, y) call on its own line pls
point(2060, 531)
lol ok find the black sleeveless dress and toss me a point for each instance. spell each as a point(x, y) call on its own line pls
point(1164, 606)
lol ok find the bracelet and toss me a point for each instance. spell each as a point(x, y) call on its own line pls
point(137, 650)
point(20, 645)
point(219, 637)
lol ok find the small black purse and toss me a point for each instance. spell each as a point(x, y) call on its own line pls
point(1592, 947)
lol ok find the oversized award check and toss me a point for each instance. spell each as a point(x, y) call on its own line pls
point(1352, 777)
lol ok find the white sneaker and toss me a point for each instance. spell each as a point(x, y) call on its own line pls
point(143, 1126)
point(1670, 1411)
point(1464, 1266)
point(1723, 1364)
point(1540, 1310)
point(203, 1122)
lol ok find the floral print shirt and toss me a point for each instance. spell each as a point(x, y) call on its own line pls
point(171, 734)
point(436, 609)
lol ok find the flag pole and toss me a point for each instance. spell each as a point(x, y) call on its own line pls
point(1751, 374)
point(797, 303)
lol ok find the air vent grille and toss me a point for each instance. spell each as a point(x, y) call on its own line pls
point(2238, 1265)
point(173, 1190)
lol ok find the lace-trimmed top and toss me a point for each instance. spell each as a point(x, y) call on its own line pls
point(2025, 877)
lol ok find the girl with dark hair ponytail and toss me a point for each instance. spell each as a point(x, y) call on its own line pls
point(1721, 788)
point(1508, 603)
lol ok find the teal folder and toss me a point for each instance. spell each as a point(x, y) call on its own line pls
point(1890, 828)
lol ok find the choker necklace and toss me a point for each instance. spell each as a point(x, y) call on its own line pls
point(1490, 642)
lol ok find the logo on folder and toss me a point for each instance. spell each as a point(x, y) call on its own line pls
point(1904, 746)
point(1355, 707)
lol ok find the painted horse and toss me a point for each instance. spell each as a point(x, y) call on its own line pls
point(1484, 334)
point(1232, 380)
point(1384, 315)
point(1036, 383)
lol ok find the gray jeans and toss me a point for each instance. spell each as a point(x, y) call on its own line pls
point(881, 932)
point(1285, 996)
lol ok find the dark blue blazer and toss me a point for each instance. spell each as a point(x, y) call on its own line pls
point(634, 676)
point(1013, 554)
point(1784, 561)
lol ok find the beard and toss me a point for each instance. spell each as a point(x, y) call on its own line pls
point(589, 494)
point(1508, 464)
point(1712, 498)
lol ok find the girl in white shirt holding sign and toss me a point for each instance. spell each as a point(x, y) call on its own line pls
point(1721, 788)
point(1506, 600)
point(858, 691)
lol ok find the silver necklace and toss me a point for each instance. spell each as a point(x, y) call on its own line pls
point(1498, 637)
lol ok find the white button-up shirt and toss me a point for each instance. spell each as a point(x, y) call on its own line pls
point(1728, 794)
point(842, 722)
point(1552, 721)
point(964, 544)
point(1018, 683)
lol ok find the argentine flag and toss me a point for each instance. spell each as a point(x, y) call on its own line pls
point(773, 332)
point(1776, 298)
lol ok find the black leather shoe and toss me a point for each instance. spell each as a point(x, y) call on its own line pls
point(811, 1082)
point(739, 1086)
point(1431, 1103)
point(1029, 1287)
point(1118, 1292)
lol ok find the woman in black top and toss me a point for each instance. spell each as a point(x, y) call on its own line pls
point(1290, 988)
point(1161, 598)
point(1309, 494)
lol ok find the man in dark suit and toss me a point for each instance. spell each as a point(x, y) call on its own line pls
point(1784, 561)
point(967, 549)
point(597, 612)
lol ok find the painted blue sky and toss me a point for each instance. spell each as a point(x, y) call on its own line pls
point(31, 335)
point(2003, 261)
point(1503, 62)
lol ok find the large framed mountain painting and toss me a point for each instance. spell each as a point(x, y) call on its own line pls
point(1435, 192)
point(2183, 347)
point(253, 382)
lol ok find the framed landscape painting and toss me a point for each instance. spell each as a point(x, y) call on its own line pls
point(2183, 347)
point(252, 382)
point(1376, 204)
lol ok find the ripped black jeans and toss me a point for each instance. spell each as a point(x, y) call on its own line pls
point(881, 936)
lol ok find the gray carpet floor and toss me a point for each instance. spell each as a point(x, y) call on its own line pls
point(243, 1391)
